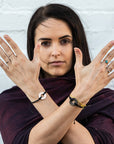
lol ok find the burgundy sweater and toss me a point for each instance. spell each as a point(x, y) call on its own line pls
point(18, 115)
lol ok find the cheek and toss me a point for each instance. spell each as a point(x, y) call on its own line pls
point(43, 54)
point(70, 55)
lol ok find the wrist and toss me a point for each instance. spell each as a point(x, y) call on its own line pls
point(33, 90)
point(80, 95)
point(74, 102)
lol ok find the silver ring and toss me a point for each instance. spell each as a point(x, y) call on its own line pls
point(109, 69)
point(7, 62)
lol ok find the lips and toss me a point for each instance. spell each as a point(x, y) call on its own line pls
point(56, 63)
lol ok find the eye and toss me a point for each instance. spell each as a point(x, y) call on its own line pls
point(45, 43)
point(65, 41)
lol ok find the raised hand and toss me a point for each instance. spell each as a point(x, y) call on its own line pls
point(92, 78)
point(23, 72)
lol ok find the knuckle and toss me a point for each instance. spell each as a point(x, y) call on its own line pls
point(14, 45)
point(105, 83)
point(1, 42)
point(103, 51)
point(15, 63)
point(102, 70)
point(113, 64)
point(113, 51)
point(11, 69)
point(111, 54)
point(110, 44)
point(1, 64)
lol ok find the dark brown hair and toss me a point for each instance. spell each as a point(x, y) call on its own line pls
point(66, 14)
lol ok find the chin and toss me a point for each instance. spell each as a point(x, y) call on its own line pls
point(56, 74)
point(52, 74)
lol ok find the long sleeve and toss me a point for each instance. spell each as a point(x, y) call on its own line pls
point(17, 116)
point(98, 117)
point(102, 129)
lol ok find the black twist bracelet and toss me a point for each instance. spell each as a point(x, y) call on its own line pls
point(75, 102)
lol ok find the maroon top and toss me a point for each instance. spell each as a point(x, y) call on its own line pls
point(18, 115)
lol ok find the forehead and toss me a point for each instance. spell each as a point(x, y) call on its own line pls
point(52, 27)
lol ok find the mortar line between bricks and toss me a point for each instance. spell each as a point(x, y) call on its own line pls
point(22, 30)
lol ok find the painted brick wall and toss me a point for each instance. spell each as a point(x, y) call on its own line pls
point(97, 17)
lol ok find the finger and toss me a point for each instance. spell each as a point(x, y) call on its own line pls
point(110, 76)
point(3, 66)
point(5, 46)
point(79, 57)
point(36, 59)
point(109, 57)
point(111, 72)
point(78, 63)
point(13, 45)
point(104, 51)
point(4, 56)
point(110, 67)
point(36, 53)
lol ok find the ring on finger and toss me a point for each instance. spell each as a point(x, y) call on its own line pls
point(106, 61)
point(10, 55)
point(7, 62)
point(109, 69)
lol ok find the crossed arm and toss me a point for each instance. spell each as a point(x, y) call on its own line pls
point(58, 121)
point(58, 124)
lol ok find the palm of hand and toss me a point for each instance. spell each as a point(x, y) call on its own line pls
point(23, 72)
point(92, 78)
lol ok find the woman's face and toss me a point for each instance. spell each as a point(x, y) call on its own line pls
point(56, 52)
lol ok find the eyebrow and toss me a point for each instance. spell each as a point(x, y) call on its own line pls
point(59, 37)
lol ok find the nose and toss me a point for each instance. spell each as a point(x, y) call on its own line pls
point(56, 51)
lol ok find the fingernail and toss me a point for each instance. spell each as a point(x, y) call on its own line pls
point(76, 50)
point(113, 42)
point(5, 36)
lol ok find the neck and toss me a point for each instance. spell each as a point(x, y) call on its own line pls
point(44, 74)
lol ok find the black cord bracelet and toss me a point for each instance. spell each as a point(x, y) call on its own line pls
point(75, 102)
point(42, 95)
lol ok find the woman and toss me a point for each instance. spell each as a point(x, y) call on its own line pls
point(57, 99)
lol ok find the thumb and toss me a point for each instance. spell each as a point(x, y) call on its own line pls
point(36, 53)
point(36, 59)
point(79, 57)
point(78, 64)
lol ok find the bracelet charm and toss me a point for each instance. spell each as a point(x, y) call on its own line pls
point(75, 102)
point(42, 96)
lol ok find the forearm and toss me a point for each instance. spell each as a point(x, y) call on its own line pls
point(77, 134)
point(52, 128)
point(46, 109)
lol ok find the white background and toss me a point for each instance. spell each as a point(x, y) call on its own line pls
point(97, 17)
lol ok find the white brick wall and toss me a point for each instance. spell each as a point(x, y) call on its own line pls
point(97, 17)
